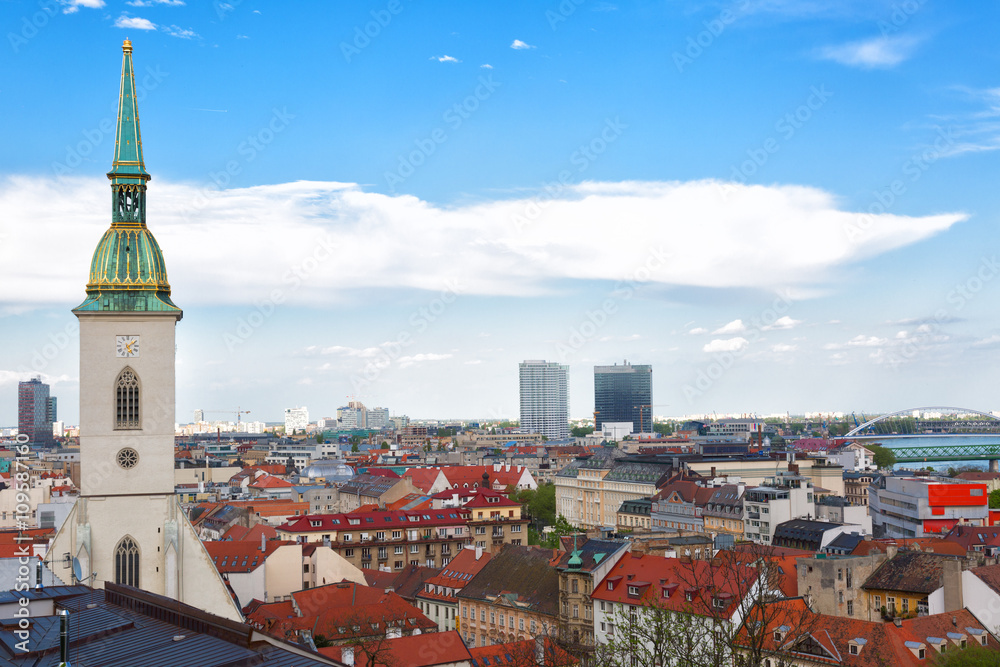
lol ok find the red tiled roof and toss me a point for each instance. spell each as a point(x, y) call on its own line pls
point(244, 534)
point(521, 653)
point(334, 611)
point(423, 478)
point(240, 556)
point(372, 521)
point(11, 536)
point(671, 581)
point(826, 639)
point(425, 650)
point(969, 536)
point(455, 575)
point(270, 482)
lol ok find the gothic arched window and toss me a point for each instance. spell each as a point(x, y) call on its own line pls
point(127, 562)
point(127, 413)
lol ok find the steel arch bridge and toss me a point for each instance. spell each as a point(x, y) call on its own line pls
point(902, 425)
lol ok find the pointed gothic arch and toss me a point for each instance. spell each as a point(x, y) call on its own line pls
point(127, 562)
point(128, 413)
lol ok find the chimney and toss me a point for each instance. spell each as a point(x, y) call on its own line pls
point(64, 637)
point(479, 552)
point(263, 542)
point(951, 580)
point(713, 472)
point(347, 655)
point(890, 551)
point(38, 576)
point(540, 649)
point(898, 622)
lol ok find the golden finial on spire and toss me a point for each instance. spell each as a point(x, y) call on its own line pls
point(127, 45)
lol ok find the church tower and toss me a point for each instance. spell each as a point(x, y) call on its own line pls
point(128, 526)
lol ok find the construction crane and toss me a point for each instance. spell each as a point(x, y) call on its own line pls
point(641, 414)
point(238, 412)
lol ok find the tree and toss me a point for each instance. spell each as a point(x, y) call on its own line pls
point(580, 431)
point(319, 437)
point(972, 656)
point(994, 499)
point(384, 445)
point(559, 527)
point(663, 428)
point(883, 458)
point(355, 448)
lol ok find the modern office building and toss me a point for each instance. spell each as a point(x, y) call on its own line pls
point(624, 394)
point(36, 411)
point(545, 399)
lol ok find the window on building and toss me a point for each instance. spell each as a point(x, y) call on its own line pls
point(127, 407)
point(850, 607)
point(576, 611)
point(575, 586)
point(127, 562)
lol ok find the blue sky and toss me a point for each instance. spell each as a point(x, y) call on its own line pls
point(781, 206)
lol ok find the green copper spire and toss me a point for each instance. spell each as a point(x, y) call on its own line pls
point(128, 140)
point(127, 273)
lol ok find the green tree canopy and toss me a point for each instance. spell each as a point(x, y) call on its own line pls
point(973, 656)
point(580, 431)
point(994, 499)
point(883, 458)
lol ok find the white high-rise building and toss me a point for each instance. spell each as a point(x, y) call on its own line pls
point(255, 428)
point(296, 419)
point(545, 399)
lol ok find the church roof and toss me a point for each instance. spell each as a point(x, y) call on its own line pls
point(127, 272)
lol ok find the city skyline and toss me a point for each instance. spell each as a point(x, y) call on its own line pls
point(804, 212)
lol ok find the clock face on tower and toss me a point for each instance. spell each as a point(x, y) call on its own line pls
point(127, 346)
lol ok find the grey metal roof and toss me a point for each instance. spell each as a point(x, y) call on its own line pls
point(111, 635)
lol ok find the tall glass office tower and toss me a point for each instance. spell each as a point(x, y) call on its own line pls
point(545, 399)
point(624, 394)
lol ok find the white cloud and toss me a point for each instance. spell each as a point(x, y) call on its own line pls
point(782, 347)
point(858, 341)
point(736, 326)
point(782, 323)
point(989, 341)
point(73, 6)
point(177, 31)
point(150, 3)
point(473, 362)
point(726, 345)
point(486, 66)
point(698, 330)
point(879, 52)
point(13, 377)
point(519, 45)
point(134, 22)
point(507, 247)
point(411, 360)
point(446, 59)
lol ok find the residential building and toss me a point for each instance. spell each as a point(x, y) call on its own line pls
point(915, 582)
point(723, 512)
point(833, 586)
point(919, 506)
point(856, 485)
point(296, 419)
point(378, 418)
point(742, 427)
point(591, 488)
point(787, 632)
point(545, 399)
point(271, 570)
point(787, 496)
point(634, 515)
point(340, 613)
point(583, 564)
point(836, 509)
point(679, 503)
point(643, 589)
point(35, 412)
point(513, 598)
point(369, 489)
point(438, 598)
point(494, 519)
point(497, 477)
point(624, 394)
point(810, 535)
point(540, 652)
point(385, 539)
